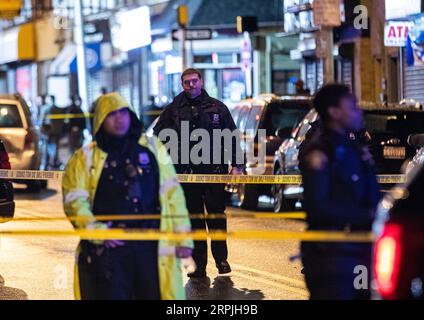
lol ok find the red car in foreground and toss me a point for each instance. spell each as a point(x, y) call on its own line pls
point(7, 205)
point(399, 250)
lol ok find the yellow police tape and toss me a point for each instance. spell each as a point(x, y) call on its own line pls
point(194, 178)
point(134, 234)
point(261, 215)
point(61, 116)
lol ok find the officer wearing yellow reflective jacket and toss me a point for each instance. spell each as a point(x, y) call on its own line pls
point(125, 172)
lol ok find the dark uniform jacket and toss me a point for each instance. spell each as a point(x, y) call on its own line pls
point(202, 112)
point(129, 182)
point(340, 186)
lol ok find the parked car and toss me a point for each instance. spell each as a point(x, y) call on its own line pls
point(20, 137)
point(416, 141)
point(7, 205)
point(399, 250)
point(277, 116)
point(388, 130)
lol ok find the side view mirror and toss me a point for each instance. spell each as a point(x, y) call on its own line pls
point(283, 133)
point(416, 140)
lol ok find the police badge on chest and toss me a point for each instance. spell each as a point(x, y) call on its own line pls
point(143, 162)
point(216, 119)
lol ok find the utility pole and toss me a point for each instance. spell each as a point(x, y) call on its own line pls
point(327, 33)
point(183, 47)
point(326, 16)
point(182, 22)
point(81, 61)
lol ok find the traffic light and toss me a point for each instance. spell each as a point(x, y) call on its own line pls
point(247, 24)
point(182, 15)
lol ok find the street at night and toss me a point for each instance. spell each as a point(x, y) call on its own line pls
point(261, 270)
point(211, 158)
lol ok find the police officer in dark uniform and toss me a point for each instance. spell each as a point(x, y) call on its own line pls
point(200, 111)
point(341, 194)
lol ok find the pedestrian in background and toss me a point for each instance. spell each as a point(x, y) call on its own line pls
point(124, 172)
point(53, 127)
point(341, 194)
point(300, 88)
point(76, 122)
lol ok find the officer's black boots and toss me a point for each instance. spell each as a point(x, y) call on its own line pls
point(223, 267)
point(197, 274)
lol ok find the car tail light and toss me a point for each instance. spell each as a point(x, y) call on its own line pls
point(4, 160)
point(387, 259)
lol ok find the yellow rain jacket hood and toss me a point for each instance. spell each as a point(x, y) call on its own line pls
point(79, 185)
point(105, 105)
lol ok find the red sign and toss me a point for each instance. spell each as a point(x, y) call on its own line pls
point(246, 53)
point(396, 33)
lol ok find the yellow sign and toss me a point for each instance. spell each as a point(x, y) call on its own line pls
point(182, 15)
point(10, 8)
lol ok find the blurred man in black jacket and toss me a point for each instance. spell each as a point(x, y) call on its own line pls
point(341, 194)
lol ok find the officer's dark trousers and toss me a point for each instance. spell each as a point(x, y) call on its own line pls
point(211, 196)
point(122, 273)
point(330, 270)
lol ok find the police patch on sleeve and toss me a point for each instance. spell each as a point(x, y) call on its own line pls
point(143, 158)
point(216, 118)
point(316, 160)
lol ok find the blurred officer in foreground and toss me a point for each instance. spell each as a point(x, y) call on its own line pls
point(53, 127)
point(201, 111)
point(341, 194)
point(126, 173)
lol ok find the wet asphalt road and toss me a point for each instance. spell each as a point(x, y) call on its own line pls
point(42, 267)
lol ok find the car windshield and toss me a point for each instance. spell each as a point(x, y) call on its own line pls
point(282, 116)
point(9, 116)
point(402, 123)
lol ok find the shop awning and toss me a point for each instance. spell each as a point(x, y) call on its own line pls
point(17, 44)
point(46, 35)
point(66, 61)
point(60, 65)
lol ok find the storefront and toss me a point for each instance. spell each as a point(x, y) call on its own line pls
point(299, 19)
point(311, 70)
point(219, 61)
point(413, 71)
point(62, 80)
point(405, 32)
point(18, 52)
point(26, 53)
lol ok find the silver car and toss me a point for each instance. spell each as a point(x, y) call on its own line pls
point(416, 141)
point(20, 137)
